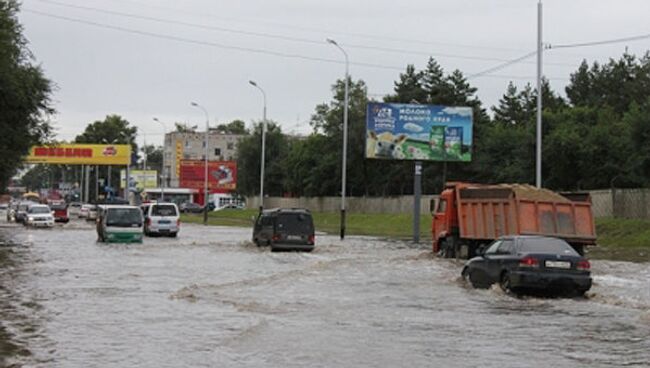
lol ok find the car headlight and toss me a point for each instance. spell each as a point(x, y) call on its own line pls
point(30, 218)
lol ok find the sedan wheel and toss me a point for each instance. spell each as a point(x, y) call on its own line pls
point(505, 282)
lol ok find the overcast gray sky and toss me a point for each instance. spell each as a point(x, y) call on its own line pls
point(141, 58)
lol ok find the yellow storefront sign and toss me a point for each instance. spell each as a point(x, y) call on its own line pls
point(81, 154)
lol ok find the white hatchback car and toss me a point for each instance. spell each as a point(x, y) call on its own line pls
point(39, 215)
point(161, 219)
point(83, 210)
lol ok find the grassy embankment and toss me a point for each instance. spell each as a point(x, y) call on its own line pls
point(381, 225)
point(617, 238)
point(622, 239)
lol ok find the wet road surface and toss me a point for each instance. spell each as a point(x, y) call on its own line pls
point(211, 298)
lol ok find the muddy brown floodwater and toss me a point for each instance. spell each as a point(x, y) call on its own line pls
point(211, 299)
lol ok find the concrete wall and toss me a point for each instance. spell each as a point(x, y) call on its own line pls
point(398, 204)
point(626, 203)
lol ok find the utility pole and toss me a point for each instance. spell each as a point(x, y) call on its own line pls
point(538, 163)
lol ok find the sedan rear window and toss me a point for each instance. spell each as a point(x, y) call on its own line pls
point(163, 210)
point(546, 246)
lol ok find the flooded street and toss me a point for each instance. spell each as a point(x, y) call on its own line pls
point(211, 298)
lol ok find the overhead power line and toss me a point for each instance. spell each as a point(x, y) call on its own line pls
point(325, 31)
point(279, 37)
point(598, 43)
point(502, 66)
point(206, 43)
point(229, 47)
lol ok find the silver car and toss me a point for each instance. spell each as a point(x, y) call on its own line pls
point(161, 219)
point(39, 215)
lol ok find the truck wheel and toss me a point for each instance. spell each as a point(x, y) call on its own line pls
point(448, 250)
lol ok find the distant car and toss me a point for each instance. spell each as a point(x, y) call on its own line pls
point(190, 207)
point(523, 264)
point(21, 211)
point(84, 210)
point(39, 215)
point(60, 211)
point(4, 206)
point(161, 219)
point(232, 206)
point(74, 208)
point(285, 229)
point(92, 212)
point(11, 212)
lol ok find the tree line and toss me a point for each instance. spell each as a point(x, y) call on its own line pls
point(595, 137)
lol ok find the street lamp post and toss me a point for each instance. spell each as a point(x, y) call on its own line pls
point(263, 145)
point(345, 136)
point(205, 182)
point(163, 175)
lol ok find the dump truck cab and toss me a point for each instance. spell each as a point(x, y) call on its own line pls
point(445, 217)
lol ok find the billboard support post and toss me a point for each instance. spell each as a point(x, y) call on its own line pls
point(87, 180)
point(96, 183)
point(417, 194)
point(126, 183)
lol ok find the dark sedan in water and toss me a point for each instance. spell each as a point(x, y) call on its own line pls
point(530, 264)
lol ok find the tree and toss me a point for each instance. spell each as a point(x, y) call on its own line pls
point(154, 157)
point(25, 95)
point(112, 130)
point(249, 153)
point(616, 84)
point(409, 88)
point(510, 109)
point(184, 128)
point(638, 121)
point(234, 127)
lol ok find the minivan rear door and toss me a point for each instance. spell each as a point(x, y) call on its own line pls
point(294, 227)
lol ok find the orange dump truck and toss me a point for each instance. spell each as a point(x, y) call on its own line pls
point(467, 216)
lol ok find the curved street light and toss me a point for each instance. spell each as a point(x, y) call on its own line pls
point(254, 84)
point(345, 135)
point(205, 182)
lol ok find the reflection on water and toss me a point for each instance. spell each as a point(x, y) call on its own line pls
point(212, 298)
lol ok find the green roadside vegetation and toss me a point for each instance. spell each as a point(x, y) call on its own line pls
point(374, 224)
point(622, 239)
point(618, 239)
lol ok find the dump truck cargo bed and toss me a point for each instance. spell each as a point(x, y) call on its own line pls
point(487, 212)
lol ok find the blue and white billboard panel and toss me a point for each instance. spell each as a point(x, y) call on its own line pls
point(418, 132)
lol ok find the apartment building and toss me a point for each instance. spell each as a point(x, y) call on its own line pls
point(191, 146)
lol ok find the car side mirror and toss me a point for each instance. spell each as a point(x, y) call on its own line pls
point(432, 206)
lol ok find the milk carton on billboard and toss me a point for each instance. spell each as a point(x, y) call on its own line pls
point(453, 142)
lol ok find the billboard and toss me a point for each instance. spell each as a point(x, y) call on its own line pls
point(81, 154)
point(222, 175)
point(418, 132)
point(140, 179)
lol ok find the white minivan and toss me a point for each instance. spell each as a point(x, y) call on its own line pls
point(161, 219)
